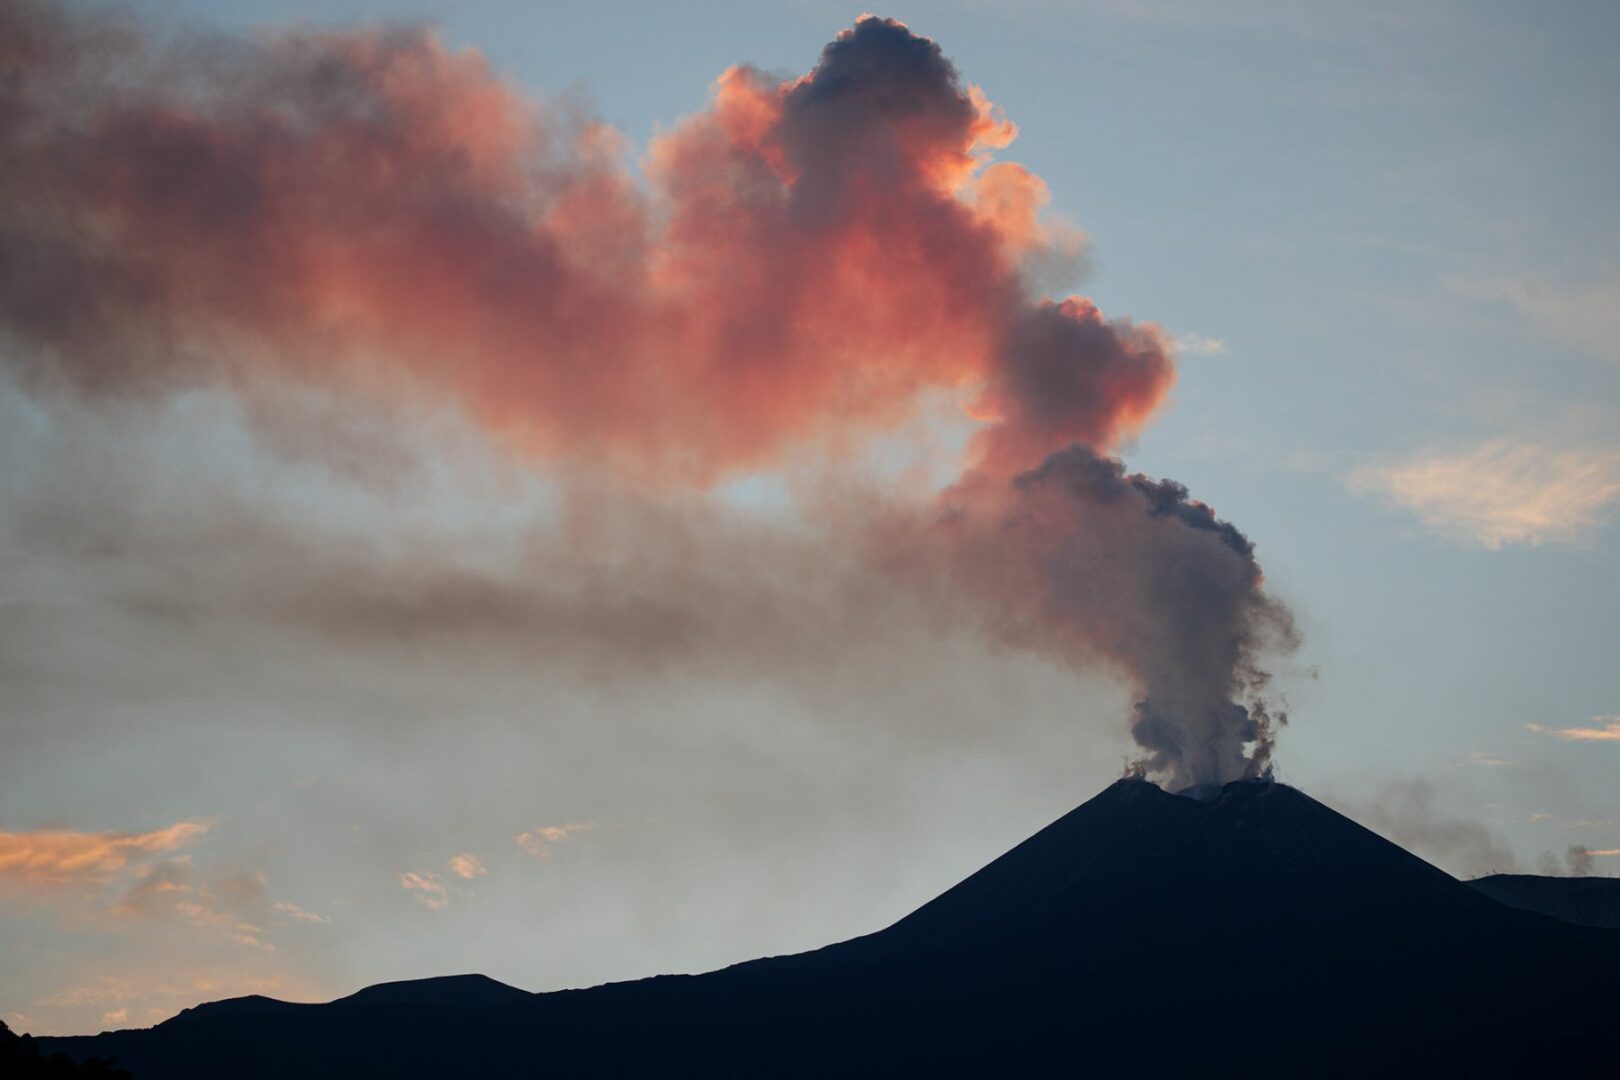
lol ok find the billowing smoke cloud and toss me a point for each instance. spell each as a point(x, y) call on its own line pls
point(368, 208)
point(369, 213)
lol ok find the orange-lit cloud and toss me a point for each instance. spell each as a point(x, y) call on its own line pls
point(1606, 729)
point(50, 858)
point(467, 865)
point(540, 841)
point(124, 880)
point(427, 887)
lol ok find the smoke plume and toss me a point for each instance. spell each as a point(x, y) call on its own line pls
point(1411, 813)
point(1578, 862)
point(369, 213)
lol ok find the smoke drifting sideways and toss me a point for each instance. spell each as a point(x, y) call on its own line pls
point(369, 213)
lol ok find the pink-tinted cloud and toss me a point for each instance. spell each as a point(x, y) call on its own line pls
point(369, 209)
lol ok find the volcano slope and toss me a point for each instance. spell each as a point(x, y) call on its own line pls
point(1253, 932)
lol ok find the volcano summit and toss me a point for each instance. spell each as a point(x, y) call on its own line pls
point(1256, 931)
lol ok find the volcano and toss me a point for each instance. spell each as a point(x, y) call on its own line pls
point(1255, 931)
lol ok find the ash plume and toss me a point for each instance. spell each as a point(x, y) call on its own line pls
point(1080, 561)
point(369, 213)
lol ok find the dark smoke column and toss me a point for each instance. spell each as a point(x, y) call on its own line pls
point(1063, 551)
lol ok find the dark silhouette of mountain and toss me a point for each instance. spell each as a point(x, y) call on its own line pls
point(20, 1059)
point(450, 991)
point(1255, 931)
point(252, 1005)
point(457, 991)
point(1584, 901)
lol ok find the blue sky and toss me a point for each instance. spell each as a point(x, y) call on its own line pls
point(1385, 236)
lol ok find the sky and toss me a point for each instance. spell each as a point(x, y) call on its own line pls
point(695, 539)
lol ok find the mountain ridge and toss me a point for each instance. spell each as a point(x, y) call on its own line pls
point(1584, 901)
point(1140, 920)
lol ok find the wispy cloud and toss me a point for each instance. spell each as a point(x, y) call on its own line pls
point(1585, 316)
point(1198, 345)
point(202, 913)
point(1502, 492)
point(293, 911)
point(1604, 729)
point(1480, 759)
point(539, 842)
point(1610, 825)
point(427, 887)
point(235, 906)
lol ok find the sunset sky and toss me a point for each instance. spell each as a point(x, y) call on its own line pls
point(508, 489)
